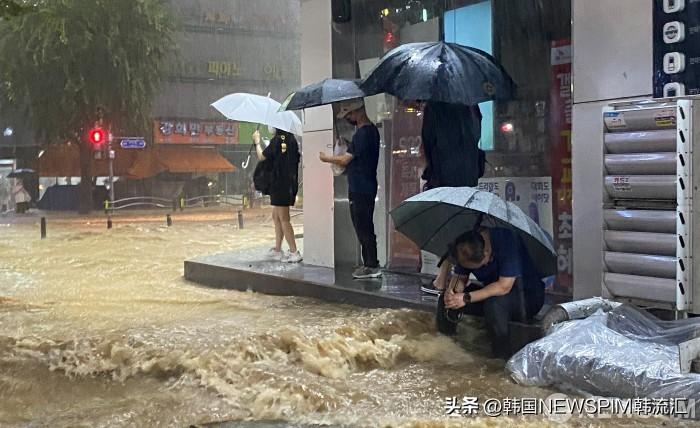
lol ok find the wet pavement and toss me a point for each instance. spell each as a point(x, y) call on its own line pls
point(232, 271)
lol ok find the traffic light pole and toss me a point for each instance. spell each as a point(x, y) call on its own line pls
point(110, 154)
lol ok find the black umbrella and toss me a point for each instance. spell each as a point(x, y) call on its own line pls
point(435, 218)
point(21, 173)
point(439, 71)
point(324, 92)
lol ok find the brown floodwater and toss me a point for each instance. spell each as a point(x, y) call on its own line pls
point(98, 328)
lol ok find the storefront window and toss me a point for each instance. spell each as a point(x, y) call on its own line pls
point(472, 26)
point(526, 137)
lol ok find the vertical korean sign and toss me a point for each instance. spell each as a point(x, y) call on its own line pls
point(561, 102)
point(406, 168)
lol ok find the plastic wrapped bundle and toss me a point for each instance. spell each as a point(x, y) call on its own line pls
point(624, 353)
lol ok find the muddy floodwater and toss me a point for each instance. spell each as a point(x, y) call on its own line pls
point(98, 328)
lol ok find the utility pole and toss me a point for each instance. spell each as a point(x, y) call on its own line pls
point(110, 153)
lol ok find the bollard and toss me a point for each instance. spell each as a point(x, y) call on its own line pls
point(182, 204)
point(43, 227)
point(109, 222)
point(240, 219)
point(168, 220)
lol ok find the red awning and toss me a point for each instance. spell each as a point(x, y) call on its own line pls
point(179, 160)
point(63, 160)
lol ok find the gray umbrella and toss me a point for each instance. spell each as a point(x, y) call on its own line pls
point(433, 219)
point(326, 91)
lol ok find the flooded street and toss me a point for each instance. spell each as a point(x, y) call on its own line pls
point(98, 328)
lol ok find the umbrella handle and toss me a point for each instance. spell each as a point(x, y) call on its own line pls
point(246, 162)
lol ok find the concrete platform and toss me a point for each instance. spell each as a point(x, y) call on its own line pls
point(236, 272)
point(249, 271)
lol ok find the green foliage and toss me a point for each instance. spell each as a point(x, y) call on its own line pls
point(10, 8)
point(64, 58)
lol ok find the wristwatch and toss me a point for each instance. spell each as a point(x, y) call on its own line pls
point(467, 298)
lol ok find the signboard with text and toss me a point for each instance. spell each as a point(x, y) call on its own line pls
point(560, 128)
point(133, 143)
point(194, 132)
point(676, 42)
point(533, 195)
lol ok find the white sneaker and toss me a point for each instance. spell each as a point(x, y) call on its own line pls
point(273, 254)
point(292, 257)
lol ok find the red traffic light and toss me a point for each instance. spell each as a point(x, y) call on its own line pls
point(97, 136)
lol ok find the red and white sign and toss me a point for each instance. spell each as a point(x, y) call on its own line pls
point(194, 132)
point(560, 126)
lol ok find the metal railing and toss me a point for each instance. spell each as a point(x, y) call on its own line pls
point(204, 201)
point(175, 204)
point(139, 201)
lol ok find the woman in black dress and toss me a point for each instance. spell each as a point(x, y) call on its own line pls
point(283, 152)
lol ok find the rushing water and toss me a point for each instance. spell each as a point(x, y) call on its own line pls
point(98, 328)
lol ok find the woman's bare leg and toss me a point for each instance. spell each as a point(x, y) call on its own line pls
point(279, 231)
point(287, 228)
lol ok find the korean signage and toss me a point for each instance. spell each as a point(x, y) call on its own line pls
point(560, 128)
point(533, 195)
point(228, 69)
point(406, 169)
point(676, 48)
point(194, 132)
point(246, 19)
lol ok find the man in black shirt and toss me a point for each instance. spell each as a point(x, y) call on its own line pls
point(360, 164)
point(450, 138)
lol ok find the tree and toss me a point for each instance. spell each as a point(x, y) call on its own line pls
point(64, 59)
point(10, 8)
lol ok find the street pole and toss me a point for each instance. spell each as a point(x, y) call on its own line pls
point(110, 153)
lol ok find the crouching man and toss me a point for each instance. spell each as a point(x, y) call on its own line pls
point(512, 287)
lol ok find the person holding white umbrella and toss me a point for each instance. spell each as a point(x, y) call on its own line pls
point(283, 152)
point(283, 155)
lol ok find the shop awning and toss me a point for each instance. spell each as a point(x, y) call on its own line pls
point(179, 160)
point(193, 159)
point(63, 160)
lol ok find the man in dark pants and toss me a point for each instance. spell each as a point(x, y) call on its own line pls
point(513, 289)
point(360, 164)
point(450, 144)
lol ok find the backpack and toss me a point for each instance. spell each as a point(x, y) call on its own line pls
point(263, 176)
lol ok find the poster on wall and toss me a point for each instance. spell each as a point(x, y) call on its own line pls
point(406, 168)
point(533, 195)
point(676, 48)
point(561, 104)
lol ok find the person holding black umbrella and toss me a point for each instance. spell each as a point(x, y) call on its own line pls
point(360, 162)
point(512, 286)
point(21, 197)
point(450, 136)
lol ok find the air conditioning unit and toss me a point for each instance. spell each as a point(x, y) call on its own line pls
point(649, 196)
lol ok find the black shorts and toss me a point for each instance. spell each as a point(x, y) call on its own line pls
point(282, 199)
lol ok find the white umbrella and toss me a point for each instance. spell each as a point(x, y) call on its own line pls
point(252, 108)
